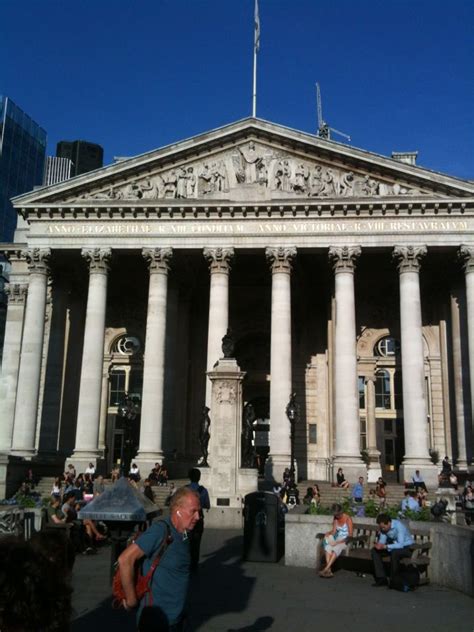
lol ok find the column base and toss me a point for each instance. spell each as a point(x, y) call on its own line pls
point(428, 471)
point(275, 465)
point(24, 454)
point(81, 460)
point(352, 466)
point(146, 461)
point(462, 465)
point(374, 469)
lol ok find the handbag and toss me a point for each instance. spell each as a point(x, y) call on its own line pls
point(142, 582)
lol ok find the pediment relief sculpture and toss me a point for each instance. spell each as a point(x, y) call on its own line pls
point(257, 171)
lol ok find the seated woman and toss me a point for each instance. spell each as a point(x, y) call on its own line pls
point(341, 480)
point(381, 491)
point(57, 487)
point(134, 472)
point(163, 476)
point(308, 497)
point(115, 474)
point(335, 541)
point(316, 494)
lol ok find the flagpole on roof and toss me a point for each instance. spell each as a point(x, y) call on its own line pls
point(256, 46)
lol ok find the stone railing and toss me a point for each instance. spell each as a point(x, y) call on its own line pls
point(452, 555)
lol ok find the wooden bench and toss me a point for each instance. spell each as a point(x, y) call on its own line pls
point(357, 556)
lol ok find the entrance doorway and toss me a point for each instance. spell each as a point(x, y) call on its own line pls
point(390, 442)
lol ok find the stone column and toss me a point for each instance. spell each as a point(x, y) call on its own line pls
point(281, 385)
point(347, 435)
point(219, 265)
point(417, 440)
point(26, 406)
point(466, 255)
point(16, 293)
point(104, 406)
point(151, 426)
point(88, 414)
point(373, 469)
point(458, 381)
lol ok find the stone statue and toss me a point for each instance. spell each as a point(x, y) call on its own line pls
point(191, 183)
point(170, 185)
point(148, 190)
point(204, 435)
point(248, 451)
point(206, 177)
point(251, 162)
point(301, 176)
point(228, 345)
point(182, 188)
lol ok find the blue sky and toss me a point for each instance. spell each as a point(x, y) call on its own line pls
point(135, 75)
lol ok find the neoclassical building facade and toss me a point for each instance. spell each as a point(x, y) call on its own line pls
point(345, 276)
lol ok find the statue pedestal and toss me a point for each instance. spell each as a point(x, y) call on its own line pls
point(226, 481)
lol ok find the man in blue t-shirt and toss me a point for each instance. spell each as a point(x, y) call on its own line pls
point(393, 539)
point(196, 534)
point(163, 609)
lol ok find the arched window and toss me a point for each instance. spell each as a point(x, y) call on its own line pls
point(383, 390)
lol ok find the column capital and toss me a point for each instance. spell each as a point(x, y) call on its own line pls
point(344, 258)
point(408, 258)
point(158, 259)
point(370, 378)
point(16, 293)
point(280, 259)
point(219, 259)
point(98, 259)
point(38, 260)
point(466, 256)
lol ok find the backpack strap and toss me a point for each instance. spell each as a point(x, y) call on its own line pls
point(167, 540)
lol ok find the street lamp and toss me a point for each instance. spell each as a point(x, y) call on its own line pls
point(293, 413)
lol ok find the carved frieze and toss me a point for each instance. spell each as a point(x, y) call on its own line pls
point(268, 172)
point(226, 393)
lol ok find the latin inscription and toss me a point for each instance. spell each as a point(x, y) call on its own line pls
point(255, 228)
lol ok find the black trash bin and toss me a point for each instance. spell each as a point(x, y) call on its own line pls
point(263, 527)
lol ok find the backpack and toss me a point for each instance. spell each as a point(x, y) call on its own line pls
point(142, 582)
point(407, 578)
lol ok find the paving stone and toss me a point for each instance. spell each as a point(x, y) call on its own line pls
point(228, 595)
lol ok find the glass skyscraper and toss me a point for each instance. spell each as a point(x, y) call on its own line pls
point(22, 156)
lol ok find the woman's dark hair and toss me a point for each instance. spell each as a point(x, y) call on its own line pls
point(33, 593)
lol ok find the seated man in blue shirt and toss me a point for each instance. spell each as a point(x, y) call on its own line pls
point(358, 490)
point(393, 539)
point(410, 502)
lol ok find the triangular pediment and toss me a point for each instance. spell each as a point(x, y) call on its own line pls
point(251, 161)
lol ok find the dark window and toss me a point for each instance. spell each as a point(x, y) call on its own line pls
point(361, 383)
point(382, 390)
point(313, 433)
point(117, 387)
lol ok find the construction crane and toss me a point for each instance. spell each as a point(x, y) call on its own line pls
point(324, 131)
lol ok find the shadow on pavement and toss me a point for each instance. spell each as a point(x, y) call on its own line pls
point(221, 587)
point(104, 618)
